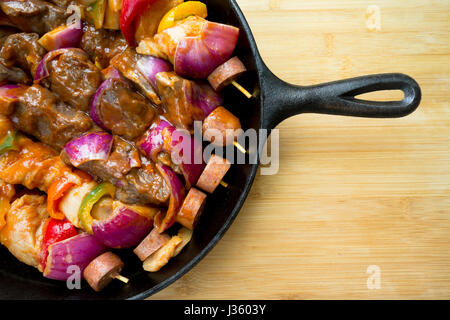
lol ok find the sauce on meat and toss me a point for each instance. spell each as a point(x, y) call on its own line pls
point(74, 78)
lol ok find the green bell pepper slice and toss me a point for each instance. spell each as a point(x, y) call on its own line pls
point(84, 214)
point(9, 142)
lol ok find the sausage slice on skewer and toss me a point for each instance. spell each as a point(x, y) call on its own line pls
point(192, 209)
point(213, 174)
point(102, 270)
point(226, 73)
point(152, 243)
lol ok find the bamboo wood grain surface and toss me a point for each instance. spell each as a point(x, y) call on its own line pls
point(350, 193)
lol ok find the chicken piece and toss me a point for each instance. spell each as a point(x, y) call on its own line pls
point(24, 229)
point(167, 41)
point(161, 257)
point(34, 15)
point(7, 192)
point(22, 50)
point(74, 78)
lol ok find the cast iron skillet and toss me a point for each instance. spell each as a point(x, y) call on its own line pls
point(275, 101)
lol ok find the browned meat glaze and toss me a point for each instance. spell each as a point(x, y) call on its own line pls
point(125, 112)
point(40, 114)
point(22, 50)
point(61, 3)
point(126, 63)
point(34, 15)
point(73, 78)
point(102, 45)
point(15, 75)
point(141, 185)
point(180, 112)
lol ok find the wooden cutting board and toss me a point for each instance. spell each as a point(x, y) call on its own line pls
point(351, 194)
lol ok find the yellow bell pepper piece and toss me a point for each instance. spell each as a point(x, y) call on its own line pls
point(181, 12)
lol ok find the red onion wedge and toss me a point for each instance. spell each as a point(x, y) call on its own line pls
point(185, 151)
point(125, 227)
point(95, 102)
point(197, 57)
point(89, 147)
point(205, 98)
point(150, 66)
point(62, 37)
point(176, 199)
point(11, 92)
point(42, 71)
point(66, 256)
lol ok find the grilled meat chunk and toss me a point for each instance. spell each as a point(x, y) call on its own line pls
point(40, 114)
point(22, 50)
point(126, 63)
point(73, 78)
point(102, 45)
point(176, 94)
point(15, 75)
point(124, 112)
point(34, 15)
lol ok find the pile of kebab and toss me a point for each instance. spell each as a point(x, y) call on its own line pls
point(89, 124)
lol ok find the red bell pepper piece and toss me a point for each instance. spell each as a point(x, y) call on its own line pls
point(56, 231)
point(131, 10)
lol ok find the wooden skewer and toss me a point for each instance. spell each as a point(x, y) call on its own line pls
point(239, 147)
point(242, 89)
point(224, 184)
point(122, 278)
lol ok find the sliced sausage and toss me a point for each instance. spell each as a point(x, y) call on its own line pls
point(214, 172)
point(102, 270)
point(192, 209)
point(152, 243)
point(226, 73)
point(221, 127)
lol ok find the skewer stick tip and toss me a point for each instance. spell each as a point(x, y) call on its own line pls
point(224, 184)
point(242, 89)
point(122, 278)
point(240, 148)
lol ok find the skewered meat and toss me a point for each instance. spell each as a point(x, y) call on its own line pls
point(73, 78)
point(34, 15)
point(15, 75)
point(226, 73)
point(221, 127)
point(22, 50)
point(23, 232)
point(124, 112)
point(7, 192)
point(126, 63)
point(102, 45)
point(175, 93)
point(41, 114)
point(102, 270)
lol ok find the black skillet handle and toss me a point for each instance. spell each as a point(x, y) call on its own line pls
point(283, 100)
